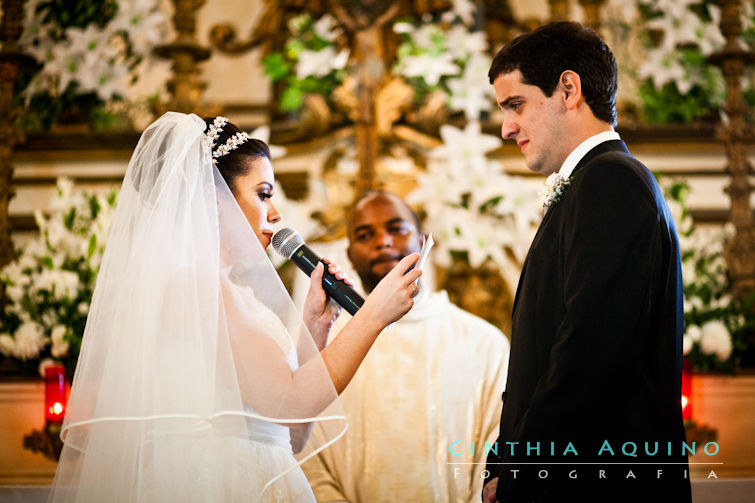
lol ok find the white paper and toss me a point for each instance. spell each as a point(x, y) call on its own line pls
point(425, 251)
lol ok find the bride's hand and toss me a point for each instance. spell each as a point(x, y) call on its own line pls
point(392, 297)
point(320, 312)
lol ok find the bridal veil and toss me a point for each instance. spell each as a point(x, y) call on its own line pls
point(167, 381)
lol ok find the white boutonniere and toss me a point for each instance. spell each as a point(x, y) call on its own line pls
point(554, 189)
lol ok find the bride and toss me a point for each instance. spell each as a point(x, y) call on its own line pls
point(198, 379)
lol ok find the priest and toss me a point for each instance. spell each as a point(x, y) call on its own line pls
point(427, 397)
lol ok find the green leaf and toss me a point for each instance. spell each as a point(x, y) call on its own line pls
point(276, 67)
point(490, 203)
point(102, 119)
point(94, 206)
point(294, 47)
point(292, 99)
point(92, 245)
point(69, 218)
point(318, 44)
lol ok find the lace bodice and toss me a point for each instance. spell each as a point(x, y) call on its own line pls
point(268, 321)
point(264, 431)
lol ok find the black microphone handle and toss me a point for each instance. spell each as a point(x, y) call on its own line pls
point(338, 290)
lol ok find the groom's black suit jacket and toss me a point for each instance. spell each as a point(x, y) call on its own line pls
point(596, 345)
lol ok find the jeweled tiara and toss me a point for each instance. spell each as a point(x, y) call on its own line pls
point(232, 143)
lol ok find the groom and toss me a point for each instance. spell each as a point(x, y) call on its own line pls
point(592, 407)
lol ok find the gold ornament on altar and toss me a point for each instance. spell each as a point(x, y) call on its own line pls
point(382, 87)
point(404, 78)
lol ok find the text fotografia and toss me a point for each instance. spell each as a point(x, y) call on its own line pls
point(597, 474)
point(630, 449)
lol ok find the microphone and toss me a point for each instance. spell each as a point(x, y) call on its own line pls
point(288, 243)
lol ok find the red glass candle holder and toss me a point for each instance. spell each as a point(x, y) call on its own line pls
point(686, 391)
point(55, 394)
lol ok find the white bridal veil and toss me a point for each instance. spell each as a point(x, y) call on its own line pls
point(178, 377)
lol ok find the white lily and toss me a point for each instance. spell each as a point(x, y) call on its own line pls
point(430, 68)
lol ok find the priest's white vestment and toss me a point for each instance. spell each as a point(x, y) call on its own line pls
point(421, 407)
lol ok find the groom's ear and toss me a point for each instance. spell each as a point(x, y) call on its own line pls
point(570, 88)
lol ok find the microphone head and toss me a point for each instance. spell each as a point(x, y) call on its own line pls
point(286, 241)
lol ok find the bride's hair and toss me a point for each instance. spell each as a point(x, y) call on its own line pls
point(232, 165)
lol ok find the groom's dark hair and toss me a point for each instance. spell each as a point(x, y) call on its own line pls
point(544, 54)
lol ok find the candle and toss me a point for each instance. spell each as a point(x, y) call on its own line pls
point(686, 391)
point(55, 394)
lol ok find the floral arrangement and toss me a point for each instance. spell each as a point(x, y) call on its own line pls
point(89, 53)
point(676, 83)
point(473, 207)
point(310, 63)
point(715, 322)
point(49, 286)
point(449, 58)
point(442, 57)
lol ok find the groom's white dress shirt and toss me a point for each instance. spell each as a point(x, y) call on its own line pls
point(582, 149)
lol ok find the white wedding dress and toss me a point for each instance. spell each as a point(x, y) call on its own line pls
point(262, 467)
point(269, 449)
point(182, 386)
